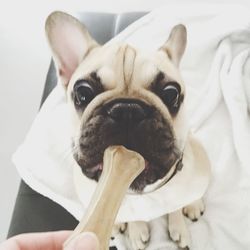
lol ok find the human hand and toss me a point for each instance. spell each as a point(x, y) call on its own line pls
point(50, 241)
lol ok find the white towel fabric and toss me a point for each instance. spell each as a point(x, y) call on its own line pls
point(216, 70)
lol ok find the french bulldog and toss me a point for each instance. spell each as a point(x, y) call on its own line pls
point(120, 95)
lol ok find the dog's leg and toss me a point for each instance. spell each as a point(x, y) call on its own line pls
point(195, 210)
point(177, 229)
point(119, 228)
point(138, 234)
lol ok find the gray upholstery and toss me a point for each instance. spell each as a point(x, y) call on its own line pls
point(34, 212)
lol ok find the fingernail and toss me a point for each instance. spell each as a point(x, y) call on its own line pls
point(85, 241)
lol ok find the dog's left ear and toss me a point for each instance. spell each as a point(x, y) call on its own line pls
point(176, 44)
point(70, 42)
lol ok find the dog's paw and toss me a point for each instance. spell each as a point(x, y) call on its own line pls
point(178, 230)
point(119, 229)
point(195, 210)
point(138, 235)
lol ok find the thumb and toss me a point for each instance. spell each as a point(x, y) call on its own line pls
point(85, 241)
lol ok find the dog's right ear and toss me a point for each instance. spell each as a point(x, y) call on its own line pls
point(69, 41)
point(176, 44)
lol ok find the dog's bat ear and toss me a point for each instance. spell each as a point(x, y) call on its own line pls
point(176, 43)
point(70, 42)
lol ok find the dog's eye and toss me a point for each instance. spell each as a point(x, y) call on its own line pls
point(171, 96)
point(84, 93)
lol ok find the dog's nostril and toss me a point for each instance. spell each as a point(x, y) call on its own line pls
point(123, 112)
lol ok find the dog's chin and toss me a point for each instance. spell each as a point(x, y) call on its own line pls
point(151, 177)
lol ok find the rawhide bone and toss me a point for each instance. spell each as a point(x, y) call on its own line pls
point(120, 167)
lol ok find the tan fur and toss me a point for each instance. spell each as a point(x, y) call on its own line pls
point(128, 72)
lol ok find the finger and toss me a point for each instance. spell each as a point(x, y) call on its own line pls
point(35, 241)
point(85, 241)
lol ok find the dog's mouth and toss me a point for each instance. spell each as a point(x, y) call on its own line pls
point(151, 178)
point(96, 171)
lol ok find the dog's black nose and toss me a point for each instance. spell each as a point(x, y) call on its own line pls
point(127, 110)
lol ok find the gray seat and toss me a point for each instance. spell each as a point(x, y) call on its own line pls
point(34, 212)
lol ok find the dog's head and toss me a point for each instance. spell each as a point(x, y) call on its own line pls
point(120, 95)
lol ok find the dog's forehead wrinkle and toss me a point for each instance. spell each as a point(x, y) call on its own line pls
point(128, 64)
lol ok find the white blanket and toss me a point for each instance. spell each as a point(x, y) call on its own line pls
point(216, 70)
